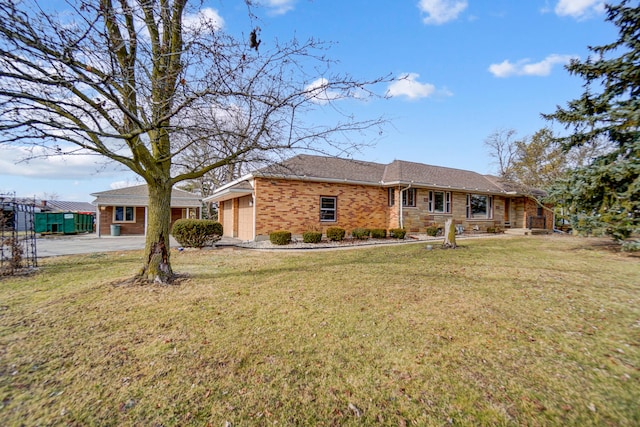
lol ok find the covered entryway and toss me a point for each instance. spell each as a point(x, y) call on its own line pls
point(235, 204)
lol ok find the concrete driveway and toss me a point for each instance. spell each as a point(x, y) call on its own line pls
point(87, 243)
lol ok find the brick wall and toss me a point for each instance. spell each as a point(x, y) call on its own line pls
point(418, 218)
point(531, 211)
point(295, 206)
point(126, 228)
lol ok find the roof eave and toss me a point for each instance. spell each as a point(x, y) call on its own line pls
point(227, 186)
point(227, 194)
point(443, 187)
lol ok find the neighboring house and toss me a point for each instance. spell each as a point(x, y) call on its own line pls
point(312, 192)
point(63, 206)
point(127, 208)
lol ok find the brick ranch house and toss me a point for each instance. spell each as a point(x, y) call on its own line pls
point(127, 207)
point(313, 192)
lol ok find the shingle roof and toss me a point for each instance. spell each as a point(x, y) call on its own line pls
point(331, 168)
point(138, 195)
point(399, 172)
point(512, 187)
point(437, 176)
point(64, 206)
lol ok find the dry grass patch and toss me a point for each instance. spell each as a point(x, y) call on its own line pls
point(509, 331)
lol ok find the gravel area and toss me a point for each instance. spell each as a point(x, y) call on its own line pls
point(346, 243)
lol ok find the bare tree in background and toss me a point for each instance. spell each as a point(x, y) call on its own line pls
point(501, 145)
point(537, 161)
point(131, 80)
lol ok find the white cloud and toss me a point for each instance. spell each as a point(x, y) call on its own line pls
point(408, 85)
point(206, 16)
point(579, 8)
point(525, 68)
point(441, 11)
point(318, 91)
point(124, 184)
point(52, 167)
point(279, 7)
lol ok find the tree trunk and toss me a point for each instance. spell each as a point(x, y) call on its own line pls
point(449, 234)
point(157, 268)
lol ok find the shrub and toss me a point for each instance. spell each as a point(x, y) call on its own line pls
point(398, 233)
point(280, 237)
point(491, 229)
point(432, 230)
point(335, 233)
point(311, 237)
point(196, 233)
point(378, 233)
point(360, 233)
point(631, 246)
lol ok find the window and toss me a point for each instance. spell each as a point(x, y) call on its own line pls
point(328, 208)
point(479, 206)
point(124, 214)
point(540, 211)
point(392, 196)
point(440, 201)
point(409, 197)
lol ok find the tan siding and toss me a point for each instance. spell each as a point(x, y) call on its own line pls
point(245, 218)
point(226, 209)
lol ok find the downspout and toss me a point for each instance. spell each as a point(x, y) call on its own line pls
point(253, 202)
point(98, 220)
point(401, 213)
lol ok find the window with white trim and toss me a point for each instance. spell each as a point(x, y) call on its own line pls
point(409, 197)
point(392, 196)
point(479, 206)
point(124, 214)
point(439, 202)
point(328, 208)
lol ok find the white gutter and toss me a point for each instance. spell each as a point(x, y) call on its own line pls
point(246, 177)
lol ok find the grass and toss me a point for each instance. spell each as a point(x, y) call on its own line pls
point(505, 331)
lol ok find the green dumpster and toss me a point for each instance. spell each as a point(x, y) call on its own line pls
point(63, 223)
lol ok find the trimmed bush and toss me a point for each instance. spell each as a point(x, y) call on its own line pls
point(378, 233)
point(196, 233)
point(398, 233)
point(432, 231)
point(311, 237)
point(280, 237)
point(360, 233)
point(335, 233)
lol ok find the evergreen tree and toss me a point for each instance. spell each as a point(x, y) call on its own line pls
point(606, 193)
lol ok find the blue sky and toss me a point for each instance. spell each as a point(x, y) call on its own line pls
point(471, 67)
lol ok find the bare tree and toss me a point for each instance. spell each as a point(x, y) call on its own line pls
point(502, 147)
point(129, 80)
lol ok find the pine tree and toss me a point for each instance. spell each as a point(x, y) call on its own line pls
point(606, 193)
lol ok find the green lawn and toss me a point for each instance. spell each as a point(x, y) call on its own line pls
point(503, 331)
